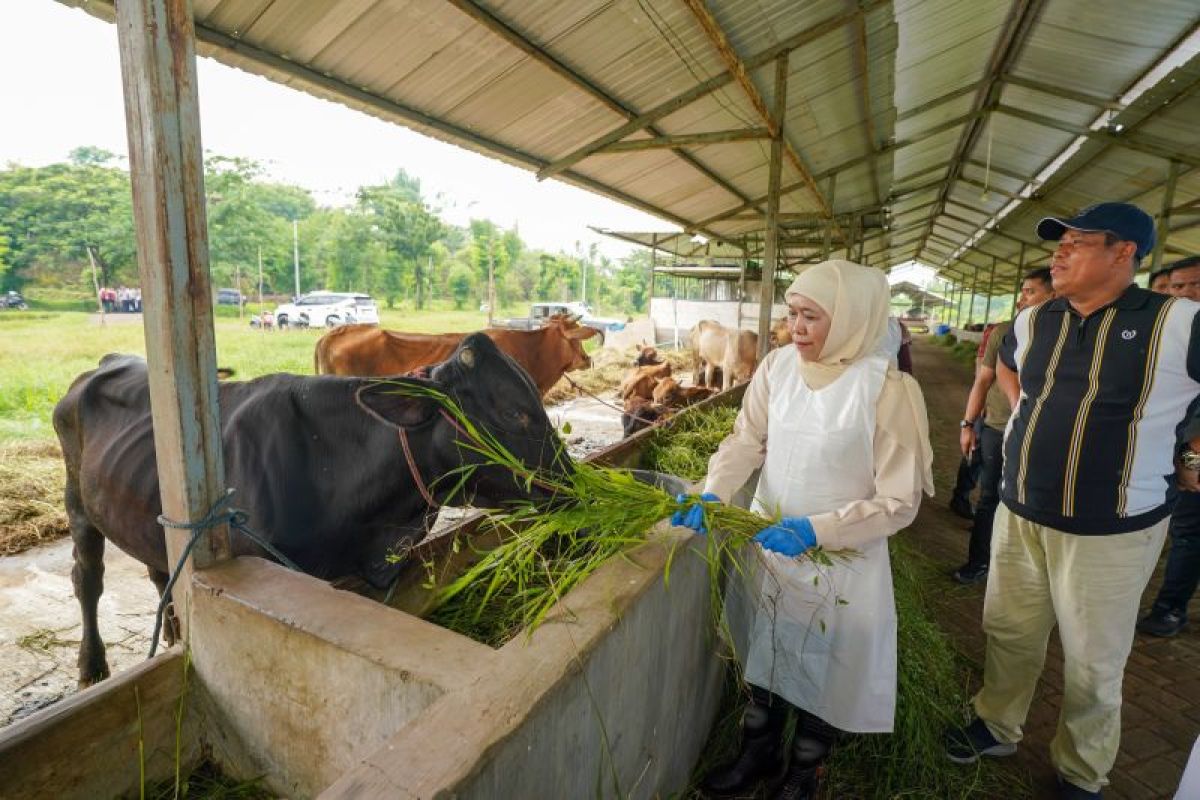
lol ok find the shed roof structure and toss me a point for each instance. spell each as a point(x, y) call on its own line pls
point(948, 126)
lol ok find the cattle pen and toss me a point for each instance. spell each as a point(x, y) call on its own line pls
point(881, 131)
point(397, 706)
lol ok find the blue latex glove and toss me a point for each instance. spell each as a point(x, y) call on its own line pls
point(693, 516)
point(791, 536)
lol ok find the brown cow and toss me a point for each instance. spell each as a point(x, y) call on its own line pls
point(781, 334)
point(640, 413)
point(647, 356)
point(669, 393)
point(640, 381)
point(367, 351)
point(741, 357)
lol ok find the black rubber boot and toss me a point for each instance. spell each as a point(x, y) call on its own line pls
point(761, 754)
point(813, 742)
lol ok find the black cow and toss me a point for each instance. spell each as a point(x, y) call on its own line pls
point(317, 463)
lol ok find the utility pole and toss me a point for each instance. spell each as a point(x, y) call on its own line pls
point(296, 254)
point(491, 301)
point(583, 291)
point(261, 327)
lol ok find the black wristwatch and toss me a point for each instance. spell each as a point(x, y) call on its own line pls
point(966, 423)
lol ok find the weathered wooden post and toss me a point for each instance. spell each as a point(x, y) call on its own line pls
point(158, 70)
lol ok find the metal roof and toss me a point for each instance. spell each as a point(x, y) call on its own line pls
point(923, 118)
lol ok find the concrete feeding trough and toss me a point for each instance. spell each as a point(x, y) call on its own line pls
point(324, 692)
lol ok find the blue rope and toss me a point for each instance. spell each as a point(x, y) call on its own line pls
point(236, 519)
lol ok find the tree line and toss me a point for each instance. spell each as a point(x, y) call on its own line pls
point(60, 221)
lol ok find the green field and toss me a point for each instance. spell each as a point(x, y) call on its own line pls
point(42, 352)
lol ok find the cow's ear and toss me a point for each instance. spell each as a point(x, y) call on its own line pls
point(397, 403)
point(583, 332)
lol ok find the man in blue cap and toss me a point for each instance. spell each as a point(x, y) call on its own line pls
point(1105, 432)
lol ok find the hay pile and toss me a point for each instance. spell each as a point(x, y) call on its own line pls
point(609, 366)
point(31, 495)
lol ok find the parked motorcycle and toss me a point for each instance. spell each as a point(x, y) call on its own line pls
point(14, 301)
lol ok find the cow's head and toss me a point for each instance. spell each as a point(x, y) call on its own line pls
point(566, 343)
point(647, 356)
point(499, 399)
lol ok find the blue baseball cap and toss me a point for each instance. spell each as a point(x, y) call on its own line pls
point(1125, 220)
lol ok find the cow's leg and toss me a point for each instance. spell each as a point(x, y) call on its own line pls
point(170, 621)
point(698, 372)
point(88, 578)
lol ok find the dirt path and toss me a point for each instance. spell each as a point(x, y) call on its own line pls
point(1161, 711)
point(39, 616)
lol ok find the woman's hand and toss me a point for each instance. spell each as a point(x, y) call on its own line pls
point(693, 516)
point(791, 536)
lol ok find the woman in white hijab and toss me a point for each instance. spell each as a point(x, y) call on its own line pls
point(842, 440)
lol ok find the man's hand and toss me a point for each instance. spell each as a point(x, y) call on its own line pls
point(967, 441)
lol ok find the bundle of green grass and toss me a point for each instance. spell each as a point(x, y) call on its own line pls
point(543, 553)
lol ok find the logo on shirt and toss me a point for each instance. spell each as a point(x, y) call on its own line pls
point(1128, 334)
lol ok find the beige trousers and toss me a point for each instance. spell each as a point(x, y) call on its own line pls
point(1090, 586)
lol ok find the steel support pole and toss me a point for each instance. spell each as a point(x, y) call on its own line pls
point(987, 311)
point(974, 292)
point(1164, 217)
point(771, 256)
point(157, 44)
point(1020, 279)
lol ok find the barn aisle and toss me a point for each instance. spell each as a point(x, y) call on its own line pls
point(1161, 714)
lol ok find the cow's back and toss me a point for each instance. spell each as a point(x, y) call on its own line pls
point(367, 351)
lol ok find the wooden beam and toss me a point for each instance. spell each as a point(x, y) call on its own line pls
point(1066, 94)
point(1126, 140)
point(741, 75)
point(685, 140)
point(864, 67)
point(704, 89)
point(158, 70)
point(766, 300)
point(937, 101)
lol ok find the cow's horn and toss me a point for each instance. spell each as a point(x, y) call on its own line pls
point(467, 356)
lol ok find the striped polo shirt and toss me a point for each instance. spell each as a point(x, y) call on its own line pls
point(1105, 401)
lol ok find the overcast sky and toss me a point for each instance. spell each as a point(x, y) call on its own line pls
point(61, 88)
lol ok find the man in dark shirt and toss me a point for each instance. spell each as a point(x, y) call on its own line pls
point(1106, 425)
point(1168, 616)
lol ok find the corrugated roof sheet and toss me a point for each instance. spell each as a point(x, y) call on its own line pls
point(930, 115)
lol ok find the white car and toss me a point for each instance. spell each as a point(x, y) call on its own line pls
point(329, 309)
